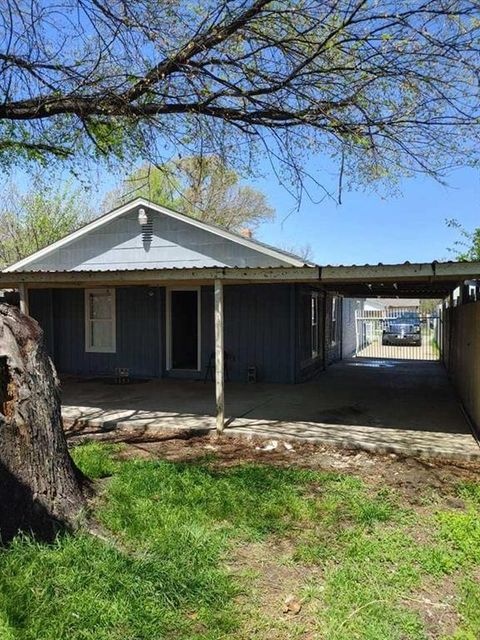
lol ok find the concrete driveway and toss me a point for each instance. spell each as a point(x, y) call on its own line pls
point(427, 351)
point(383, 405)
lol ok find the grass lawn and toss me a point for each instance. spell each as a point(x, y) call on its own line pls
point(203, 550)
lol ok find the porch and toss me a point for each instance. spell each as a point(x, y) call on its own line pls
point(405, 407)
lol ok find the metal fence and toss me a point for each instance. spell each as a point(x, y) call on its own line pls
point(401, 334)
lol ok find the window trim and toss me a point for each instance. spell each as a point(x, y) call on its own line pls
point(168, 327)
point(89, 348)
point(334, 320)
point(315, 327)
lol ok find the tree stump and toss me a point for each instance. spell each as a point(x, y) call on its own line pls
point(41, 489)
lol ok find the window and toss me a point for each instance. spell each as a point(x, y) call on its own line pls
point(100, 321)
point(314, 324)
point(333, 323)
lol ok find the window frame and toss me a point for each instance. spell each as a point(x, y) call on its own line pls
point(333, 319)
point(314, 324)
point(89, 347)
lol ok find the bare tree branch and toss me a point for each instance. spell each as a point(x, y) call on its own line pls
point(382, 87)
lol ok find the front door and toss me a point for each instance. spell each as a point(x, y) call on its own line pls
point(183, 335)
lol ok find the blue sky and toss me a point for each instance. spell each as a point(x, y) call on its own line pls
point(369, 228)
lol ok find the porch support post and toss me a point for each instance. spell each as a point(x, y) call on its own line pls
point(22, 290)
point(219, 357)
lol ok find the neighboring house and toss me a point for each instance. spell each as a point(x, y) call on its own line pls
point(373, 304)
point(351, 310)
point(391, 305)
point(469, 292)
point(134, 289)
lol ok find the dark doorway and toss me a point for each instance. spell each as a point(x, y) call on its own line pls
point(184, 329)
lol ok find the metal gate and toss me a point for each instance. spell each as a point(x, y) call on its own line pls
point(401, 334)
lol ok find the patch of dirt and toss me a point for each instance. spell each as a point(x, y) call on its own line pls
point(436, 605)
point(277, 601)
point(414, 478)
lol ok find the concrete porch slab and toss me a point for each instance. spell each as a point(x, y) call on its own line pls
point(385, 406)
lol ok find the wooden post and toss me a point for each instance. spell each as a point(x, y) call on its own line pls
point(219, 357)
point(23, 292)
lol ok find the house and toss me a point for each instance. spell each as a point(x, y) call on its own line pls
point(147, 292)
point(138, 295)
point(389, 306)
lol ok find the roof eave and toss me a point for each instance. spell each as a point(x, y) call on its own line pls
point(161, 276)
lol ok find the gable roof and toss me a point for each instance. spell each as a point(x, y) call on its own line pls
point(284, 256)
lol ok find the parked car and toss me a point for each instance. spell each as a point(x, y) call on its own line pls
point(405, 329)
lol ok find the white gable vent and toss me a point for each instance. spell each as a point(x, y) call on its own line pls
point(147, 231)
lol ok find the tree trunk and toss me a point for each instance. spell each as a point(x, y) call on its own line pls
point(41, 489)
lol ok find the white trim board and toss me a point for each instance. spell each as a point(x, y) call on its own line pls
point(142, 202)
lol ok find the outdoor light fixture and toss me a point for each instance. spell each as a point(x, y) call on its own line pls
point(142, 217)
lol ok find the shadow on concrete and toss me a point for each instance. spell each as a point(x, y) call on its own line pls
point(371, 393)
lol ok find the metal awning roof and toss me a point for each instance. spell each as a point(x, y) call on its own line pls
point(407, 280)
point(419, 280)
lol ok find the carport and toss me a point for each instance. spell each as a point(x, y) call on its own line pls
point(457, 285)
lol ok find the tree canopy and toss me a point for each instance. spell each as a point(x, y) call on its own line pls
point(383, 86)
point(467, 247)
point(200, 186)
point(35, 218)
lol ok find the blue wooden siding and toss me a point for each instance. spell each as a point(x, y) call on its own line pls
point(41, 308)
point(139, 331)
point(259, 331)
point(119, 245)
